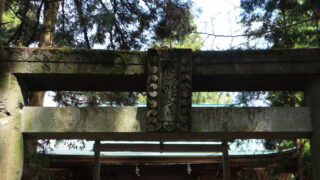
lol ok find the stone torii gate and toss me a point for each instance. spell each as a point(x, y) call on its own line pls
point(168, 76)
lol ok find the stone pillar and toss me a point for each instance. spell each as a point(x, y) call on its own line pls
point(312, 97)
point(169, 89)
point(11, 140)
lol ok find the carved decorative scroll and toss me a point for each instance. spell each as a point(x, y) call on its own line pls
point(169, 89)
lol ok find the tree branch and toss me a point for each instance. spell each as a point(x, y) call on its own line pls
point(32, 37)
point(83, 23)
point(23, 19)
point(258, 33)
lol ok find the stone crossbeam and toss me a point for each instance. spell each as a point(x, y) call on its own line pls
point(133, 119)
point(77, 61)
point(72, 69)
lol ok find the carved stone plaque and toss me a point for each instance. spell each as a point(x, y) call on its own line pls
point(169, 89)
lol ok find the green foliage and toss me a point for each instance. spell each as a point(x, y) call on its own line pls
point(283, 23)
point(117, 24)
point(202, 98)
point(211, 98)
point(192, 41)
point(80, 98)
point(285, 98)
point(174, 21)
point(10, 18)
point(23, 22)
point(72, 144)
point(142, 98)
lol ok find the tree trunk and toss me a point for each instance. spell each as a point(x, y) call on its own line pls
point(36, 98)
point(1, 10)
point(46, 40)
point(50, 15)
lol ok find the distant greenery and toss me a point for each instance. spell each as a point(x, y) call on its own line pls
point(81, 98)
point(211, 98)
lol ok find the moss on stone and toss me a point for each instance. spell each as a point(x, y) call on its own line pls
point(4, 80)
point(11, 149)
point(70, 55)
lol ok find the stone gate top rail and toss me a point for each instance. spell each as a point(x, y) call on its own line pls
point(257, 56)
point(60, 55)
point(234, 70)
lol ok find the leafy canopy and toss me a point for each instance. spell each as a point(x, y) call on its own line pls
point(116, 24)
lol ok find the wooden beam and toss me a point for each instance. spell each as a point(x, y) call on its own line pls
point(225, 158)
point(202, 136)
point(235, 160)
point(96, 163)
point(159, 147)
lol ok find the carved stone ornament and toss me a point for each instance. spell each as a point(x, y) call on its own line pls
point(169, 90)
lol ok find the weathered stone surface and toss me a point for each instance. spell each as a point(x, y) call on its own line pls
point(71, 68)
point(52, 60)
point(259, 119)
point(70, 61)
point(253, 56)
point(91, 119)
point(171, 71)
point(11, 140)
point(212, 70)
point(254, 70)
point(59, 55)
point(133, 119)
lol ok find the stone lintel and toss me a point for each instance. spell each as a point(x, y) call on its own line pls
point(85, 56)
point(67, 69)
point(82, 61)
point(73, 56)
point(133, 119)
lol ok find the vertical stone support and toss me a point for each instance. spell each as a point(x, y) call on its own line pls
point(11, 140)
point(312, 97)
point(169, 89)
